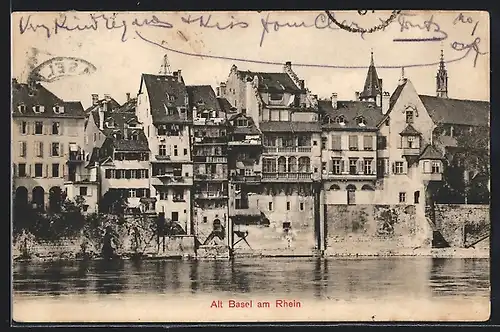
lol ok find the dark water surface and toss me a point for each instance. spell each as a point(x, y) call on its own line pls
point(346, 279)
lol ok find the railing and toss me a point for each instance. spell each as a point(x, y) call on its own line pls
point(80, 178)
point(246, 178)
point(162, 157)
point(76, 156)
point(245, 142)
point(210, 194)
point(210, 140)
point(209, 121)
point(411, 151)
point(210, 176)
point(285, 176)
point(210, 159)
point(291, 149)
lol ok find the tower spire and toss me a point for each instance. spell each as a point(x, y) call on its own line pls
point(373, 85)
point(442, 79)
point(165, 66)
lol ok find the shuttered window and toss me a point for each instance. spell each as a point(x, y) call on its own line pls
point(367, 143)
point(353, 142)
point(336, 143)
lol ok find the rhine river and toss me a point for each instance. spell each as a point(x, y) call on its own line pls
point(372, 289)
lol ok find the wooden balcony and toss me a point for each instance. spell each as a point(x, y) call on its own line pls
point(286, 177)
point(210, 177)
point(347, 175)
point(410, 151)
point(76, 157)
point(247, 142)
point(210, 195)
point(246, 212)
point(246, 178)
point(171, 180)
point(286, 150)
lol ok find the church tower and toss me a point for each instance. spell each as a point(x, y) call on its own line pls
point(442, 79)
point(373, 85)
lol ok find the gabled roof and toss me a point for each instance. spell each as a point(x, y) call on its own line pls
point(225, 105)
point(22, 94)
point(120, 120)
point(94, 158)
point(112, 105)
point(125, 144)
point(129, 106)
point(251, 129)
point(272, 82)
point(204, 95)
point(159, 88)
point(351, 110)
point(457, 111)
point(431, 152)
point(409, 131)
point(372, 83)
point(289, 126)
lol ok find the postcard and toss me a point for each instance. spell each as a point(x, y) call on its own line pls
point(272, 166)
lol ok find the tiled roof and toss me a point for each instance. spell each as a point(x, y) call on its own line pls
point(141, 144)
point(351, 111)
point(431, 152)
point(159, 88)
point(456, 111)
point(289, 126)
point(119, 119)
point(129, 106)
point(372, 85)
point(251, 129)
point(94, 157)
point(39, 95)
point(203, 94)
point(279, 82)
point(409, 130)
point(225, 105)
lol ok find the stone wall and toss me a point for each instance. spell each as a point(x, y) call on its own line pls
point(373, 229)
point(462, 224)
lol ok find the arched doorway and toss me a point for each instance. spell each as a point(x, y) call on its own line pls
point(351, 194)
point(21, 198)
point(334, 187)
point(55, 199)
point(38, 198)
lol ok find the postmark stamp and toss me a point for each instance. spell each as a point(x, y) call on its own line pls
point(59, 67)
point(355, 27)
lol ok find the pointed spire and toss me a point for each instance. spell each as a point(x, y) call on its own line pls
point(372, 83)
point(442, 79)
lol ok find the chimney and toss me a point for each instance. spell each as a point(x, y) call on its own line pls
point(101, 116)
point(334, 101)
point(128, 96)
point(302, 84)
point(222, 89)
point(288, 66)
point(179, 76)
point(107, 98)
point(250, 110)
point(356, 96)
point(378, 100)
point(385, 102)
point(95, 98)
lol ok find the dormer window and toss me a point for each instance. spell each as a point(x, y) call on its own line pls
point(242, 122)
point(38, 109)
point(275, 96)
point(409, 116)
point(22, 108)
point(361, 121)
point(110, 123)
point(58, 109)
point(134, 137)
point(340, 120)
point(117, 136)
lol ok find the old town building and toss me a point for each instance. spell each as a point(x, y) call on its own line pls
point(47, 150)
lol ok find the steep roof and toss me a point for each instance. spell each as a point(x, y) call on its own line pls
point(409, 130)
point(457, 111)
point(225, 105)
point(203, 94)
point(112, 104)
point(272, 82)
point(129, 106)
point(251, 129)
point(351, 110)
point(431, 152)
point(372, 83)
point(22, 94)
point(160, 88)
point(119, 119)
point(289, 126)
point(126, 144)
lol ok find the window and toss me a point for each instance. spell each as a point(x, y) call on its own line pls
point(353, 166)
point(361, 121)
point(340, 120)
point(416, 197)
point(353, 142)
point(24, 127)
point(288, 206)
point(336, 169)
point(436, 167)
point(402, 197)
point(301, 206)
point(83, 191)
point(241, 122)
point(315, 143)
point(336, 143)
point(175, 150)
point(270, 206)
point(162, 150)
point(38, 109)
point(55, 170)
point(95, 137)
point(368, 166)
point(205, 219)
point(185, 152)
point(22, 149)
point(381, 142)
point(38, 170)
point(287, 226)
point(175, 216)
point(399, 167)
point(38, 128)
point(39, 149)
point(178, 195)
point(324, 142)
point(21, 169)
point(163, 195)
point(132, 193)
point(409, 116)
point(55, 128)
point(275, 96)
point(22, 108)
point(58, 109)
point(55, 150)
point(323, 167)
point(368, 143)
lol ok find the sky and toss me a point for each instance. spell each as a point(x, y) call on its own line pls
point(204, 45)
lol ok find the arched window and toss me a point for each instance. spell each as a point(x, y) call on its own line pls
point(304, 164)
point(361, 121)
point(334, 187)
point(340, 120)
point(281, 165)
point(292, 164)
point(367, 187)
point(350, 187)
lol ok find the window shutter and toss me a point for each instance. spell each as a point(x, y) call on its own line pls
point(360, 166)
point(405, 167)
point(29, 171)
point(373, 166)
point(64, 171)
point(330, 166)
point(393, 168)
point(61, 129)
point(343, 166)
point(47, 171)
point(61, 150)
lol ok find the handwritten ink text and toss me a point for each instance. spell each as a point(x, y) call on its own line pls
point(428, 25)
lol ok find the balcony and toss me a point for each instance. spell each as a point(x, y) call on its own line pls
point(246, 178)
point(248, 212)
point(162, 157)
point(210, 140)
point(77, 178)
point(210, 159)
point(347, 175)
point(286, 150)
point(410, 151)
point(76, 157)
point(286, 177)
point(246, 142)
point(210, 177)
point(211, 195)
point(432, 176)
point(209, 121)
point(171, 180)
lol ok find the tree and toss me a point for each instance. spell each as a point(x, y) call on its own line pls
point(114, 202)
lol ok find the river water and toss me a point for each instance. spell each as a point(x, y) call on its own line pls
point(398, 288)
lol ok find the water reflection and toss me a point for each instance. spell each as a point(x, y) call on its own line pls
point(305, 278)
